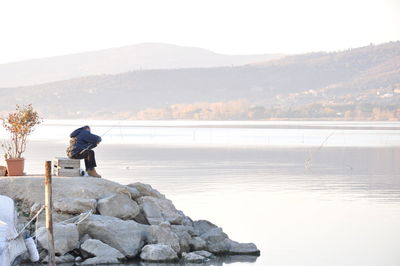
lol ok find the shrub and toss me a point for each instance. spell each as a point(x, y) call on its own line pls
point(20, 124)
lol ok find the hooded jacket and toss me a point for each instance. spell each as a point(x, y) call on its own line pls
point(82, 139)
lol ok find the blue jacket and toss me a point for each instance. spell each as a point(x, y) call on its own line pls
point(82, 139)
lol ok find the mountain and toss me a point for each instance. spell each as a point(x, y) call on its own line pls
point(361, 83)
point(118, 60)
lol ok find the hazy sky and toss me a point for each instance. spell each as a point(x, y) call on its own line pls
point(32, 29)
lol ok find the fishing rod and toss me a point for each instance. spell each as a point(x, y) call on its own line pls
point(107, 131)
point(308, 161)
point(90, 144)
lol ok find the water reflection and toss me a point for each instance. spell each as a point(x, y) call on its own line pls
point(216, 261)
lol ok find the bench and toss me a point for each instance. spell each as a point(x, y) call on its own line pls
point(66, 167)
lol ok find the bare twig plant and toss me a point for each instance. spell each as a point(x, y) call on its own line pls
point(20, 124)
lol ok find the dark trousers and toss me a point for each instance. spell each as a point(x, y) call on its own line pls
point(88, 155)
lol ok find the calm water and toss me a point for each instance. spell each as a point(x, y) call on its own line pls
point(307, 193)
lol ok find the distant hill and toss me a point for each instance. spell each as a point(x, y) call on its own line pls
point(361, 83)
point(118, 60)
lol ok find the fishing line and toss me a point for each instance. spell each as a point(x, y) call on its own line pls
point(308, 161)
point(90, 145)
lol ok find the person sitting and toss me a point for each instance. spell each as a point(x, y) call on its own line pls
point(81, 147)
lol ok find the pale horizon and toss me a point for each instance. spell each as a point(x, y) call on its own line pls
point(45, 28)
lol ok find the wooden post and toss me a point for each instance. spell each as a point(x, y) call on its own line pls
point(49, 215)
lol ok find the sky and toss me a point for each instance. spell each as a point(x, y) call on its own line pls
point(42, 28)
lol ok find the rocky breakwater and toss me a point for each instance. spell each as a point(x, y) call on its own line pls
point(131, 221)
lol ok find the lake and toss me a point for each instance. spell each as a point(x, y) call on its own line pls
point(306, 193)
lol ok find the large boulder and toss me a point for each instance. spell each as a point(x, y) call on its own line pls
point(218, 242)
point(125, 236)
point(186, 219)
point(158, 252)
point(74, 205)
point(158, 210)
point(134, 193)
point(184, 228)
point(187, 237)
point(144, 190)
point(230, 247)
point(119, 205)
point(214, 235)
point(203, 226)
point(184, 239)
point(164, 235)
point(243, 248)
point(31, 189)
point(66, 238)
point(96, 248)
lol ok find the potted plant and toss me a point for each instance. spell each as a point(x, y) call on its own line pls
point(20, 124)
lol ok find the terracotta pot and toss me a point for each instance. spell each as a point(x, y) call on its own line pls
point(15, 167)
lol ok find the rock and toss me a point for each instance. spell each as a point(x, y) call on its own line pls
point(184, 234)
point(134, 192)
point(185, 228)
point(184, 240)
point(30, 189)
point(214, 235)
point(42, 254)
point(158, 252)
point(62, 259)
point(164, 235)
point(230, 247)
point(203, 226)
point(65, 259)
point(57, 218)
point(123, 190)
point(84, 238)
point(146, 190)
point(96, 248)
point(158, 210)
point(165, 224)
point(119, 205)
point(203, 253)
point(125, 236)
point(141, 218)
point(186, 220)
point(197, 243)
point(151, 211)
point(218, 242)
point(243, 248)
point(193, 257)
point(66, 238)
point(100, 260)
point(74, 205)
